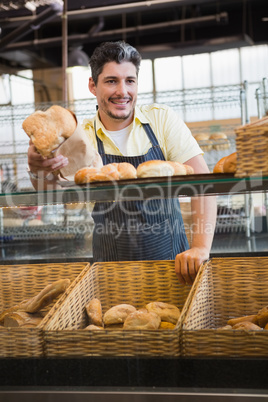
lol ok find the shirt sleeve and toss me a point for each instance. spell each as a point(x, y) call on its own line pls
point(179, 142)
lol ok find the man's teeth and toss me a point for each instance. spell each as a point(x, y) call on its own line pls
point(120, 102)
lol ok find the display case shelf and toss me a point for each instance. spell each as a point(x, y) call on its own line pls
point(139, 189)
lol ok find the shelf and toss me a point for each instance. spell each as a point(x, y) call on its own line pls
point(139, 190)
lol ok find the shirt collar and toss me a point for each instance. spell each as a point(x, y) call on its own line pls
point(138, 116)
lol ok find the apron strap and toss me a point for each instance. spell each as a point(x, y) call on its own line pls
point(152, 137)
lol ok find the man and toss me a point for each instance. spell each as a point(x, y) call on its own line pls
point(124, 132)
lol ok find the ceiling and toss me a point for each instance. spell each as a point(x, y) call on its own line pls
point(33, 39)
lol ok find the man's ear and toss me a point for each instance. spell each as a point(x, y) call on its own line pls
point(92, 86)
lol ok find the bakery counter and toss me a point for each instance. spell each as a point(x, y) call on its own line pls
point(132, 379)
point(139, 189)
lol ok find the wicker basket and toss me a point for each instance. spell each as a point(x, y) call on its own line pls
point(136, 283)
point(252, 149)
point(227, 288)
point(20, 282)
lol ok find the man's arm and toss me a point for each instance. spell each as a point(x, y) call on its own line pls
point(204, 213)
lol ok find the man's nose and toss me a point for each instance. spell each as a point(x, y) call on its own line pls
point(121, 88)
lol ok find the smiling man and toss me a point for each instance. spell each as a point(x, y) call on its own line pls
point(121, 131)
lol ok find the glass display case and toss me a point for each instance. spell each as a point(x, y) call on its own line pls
point(55, 227)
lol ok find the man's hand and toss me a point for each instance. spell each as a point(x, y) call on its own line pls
point(188, 263)
point(38, 163)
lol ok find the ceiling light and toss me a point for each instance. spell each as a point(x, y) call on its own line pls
point(30, 6)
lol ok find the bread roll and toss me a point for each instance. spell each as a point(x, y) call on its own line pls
point(126, 170)
point(189, 169)
point(155, 168)
point(84, 175)
point(114, 326)
point(247, 326)
point(204, 141)
point(262, 317)
point(166, 325)
point(167, 312)
point(106, 173)
point(179, 168)
point(230, 163)
point(117, 314)
point(226, 327)
point(8, 311)
point(249, 318)
point(109, 172)
point(142, 320)
point(220, 141)
point(218, 168)
point(93, 327)
point(94, 312)
point(49, 129)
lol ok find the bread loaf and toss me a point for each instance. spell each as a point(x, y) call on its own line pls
point(49, 129)
point(94, 312)
point(117, 314)
point(142, 320)
point(167, 312)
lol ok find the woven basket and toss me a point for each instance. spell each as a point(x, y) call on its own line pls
point(21, 282)
point(226, 288)
point(136, 283)
point(252, 149)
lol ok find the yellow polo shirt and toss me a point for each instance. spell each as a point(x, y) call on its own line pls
point(174, 137)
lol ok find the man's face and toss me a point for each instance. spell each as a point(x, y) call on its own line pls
point(116, 92)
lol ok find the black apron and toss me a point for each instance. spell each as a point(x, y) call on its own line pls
point(137, 230)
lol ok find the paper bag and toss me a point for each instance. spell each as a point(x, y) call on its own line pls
point(80, 153)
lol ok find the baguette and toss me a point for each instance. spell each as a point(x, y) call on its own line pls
point(46, 296)
point(249, 318)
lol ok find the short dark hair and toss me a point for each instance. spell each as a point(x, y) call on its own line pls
point(113, 51)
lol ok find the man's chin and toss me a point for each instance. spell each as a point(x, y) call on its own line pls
point(120, 116)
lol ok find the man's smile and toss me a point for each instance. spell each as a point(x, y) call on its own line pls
point(120, 101)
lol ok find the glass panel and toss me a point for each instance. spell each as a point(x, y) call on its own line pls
point(254, 62)
point(225, 67)
point(22, 89)
point(196, 71)
point(168, 73)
